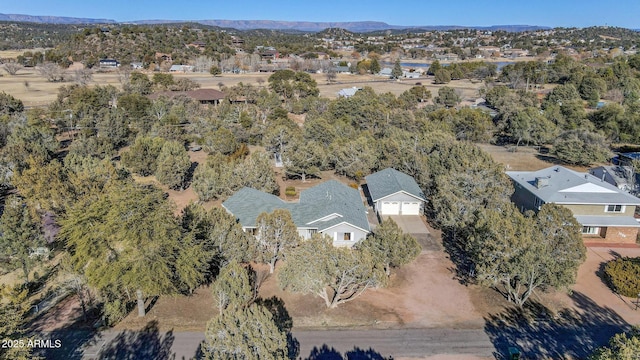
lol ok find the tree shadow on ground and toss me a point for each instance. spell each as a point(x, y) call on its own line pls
point(327, 353)
point(284, 321)
point(147, 343)
point(538, 333)
point(77, 332)
point(463, 269)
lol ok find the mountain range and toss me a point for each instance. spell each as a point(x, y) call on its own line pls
point(355, 26)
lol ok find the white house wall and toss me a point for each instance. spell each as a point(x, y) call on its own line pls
point(336, 231)
point(405, 204)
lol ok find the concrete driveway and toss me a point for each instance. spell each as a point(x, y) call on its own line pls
point(410, 224)
point(414, 225)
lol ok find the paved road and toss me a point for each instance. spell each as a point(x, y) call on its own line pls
point(396, 343)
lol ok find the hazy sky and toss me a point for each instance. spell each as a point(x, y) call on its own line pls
point(566, 13)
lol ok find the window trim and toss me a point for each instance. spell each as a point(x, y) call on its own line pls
point(622, 208)
point(591, 230)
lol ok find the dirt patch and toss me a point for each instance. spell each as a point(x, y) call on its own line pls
point(178, 313)
point(64, 314)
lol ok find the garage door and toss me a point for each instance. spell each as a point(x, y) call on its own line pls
point(390, 208)
point(410, 208)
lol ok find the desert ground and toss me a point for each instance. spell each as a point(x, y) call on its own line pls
point(35, 91)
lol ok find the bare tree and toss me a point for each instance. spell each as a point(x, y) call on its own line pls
point(83, 76)
point(52, 72)
point(203, 64)
point(12, 68)
point(124, 76)
point(331, 74)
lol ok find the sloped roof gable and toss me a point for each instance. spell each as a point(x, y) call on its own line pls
point(565, 186)
point(390, 181)
point(320, 207)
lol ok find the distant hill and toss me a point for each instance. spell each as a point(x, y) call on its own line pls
point(355, 26)
point(53, 19)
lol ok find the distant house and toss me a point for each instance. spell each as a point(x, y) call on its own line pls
point(181, 68)
point(605, 212)
point(267, 53)
point(330, 208)
point(203, 96)
point(626, 159)
point(137, 65)
point(348, 92)
point(163, 57)
point(343, 69)
point(109, 63)
point(395, 193)
point(622, 177)
point(447, 57)
point(411, 74)
point(385, 72)
point(200, 45)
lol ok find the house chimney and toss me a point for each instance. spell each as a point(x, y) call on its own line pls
point(541, 182)
point(604, 173)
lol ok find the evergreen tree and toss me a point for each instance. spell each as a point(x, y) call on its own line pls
point(245, 334)
point(232, 289)
point(396, 72)
point(276, 235)
point(173, 163)
point(127, 241)
point(390, 246)
point(20, 235)
point(337, 275)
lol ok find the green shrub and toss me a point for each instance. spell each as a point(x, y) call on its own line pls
point(290, 191)
point(623, 275)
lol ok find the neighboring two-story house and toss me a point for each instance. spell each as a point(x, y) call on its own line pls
point(330, 208)
point(605, 212)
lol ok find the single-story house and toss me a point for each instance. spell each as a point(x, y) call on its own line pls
point(605, 212)
point(395, 193)
point(411, 74)
point(137, 65)
point(385, 72)
point(348, 92)
point(330, 208)
point(109, 63)
point(181, 68)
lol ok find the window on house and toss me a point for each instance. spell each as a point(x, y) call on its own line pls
point(346, 237)
point(590, 230)
point(537, 202)
point(614, 208)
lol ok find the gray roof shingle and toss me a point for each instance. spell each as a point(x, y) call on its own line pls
point(318, 202)
point(390, 181)
point(565, 186)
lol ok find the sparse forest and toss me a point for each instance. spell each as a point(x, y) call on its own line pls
point(80, 161)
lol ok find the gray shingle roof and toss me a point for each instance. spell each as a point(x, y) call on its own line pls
point(594, 220)
point(320, 201)
point(390, 181)
point(565, 186)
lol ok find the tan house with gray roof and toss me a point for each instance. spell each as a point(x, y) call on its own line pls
point(605, 212)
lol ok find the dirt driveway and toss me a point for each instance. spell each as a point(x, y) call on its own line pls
point(590, 282)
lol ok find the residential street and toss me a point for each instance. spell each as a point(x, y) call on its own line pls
point(413, 343)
